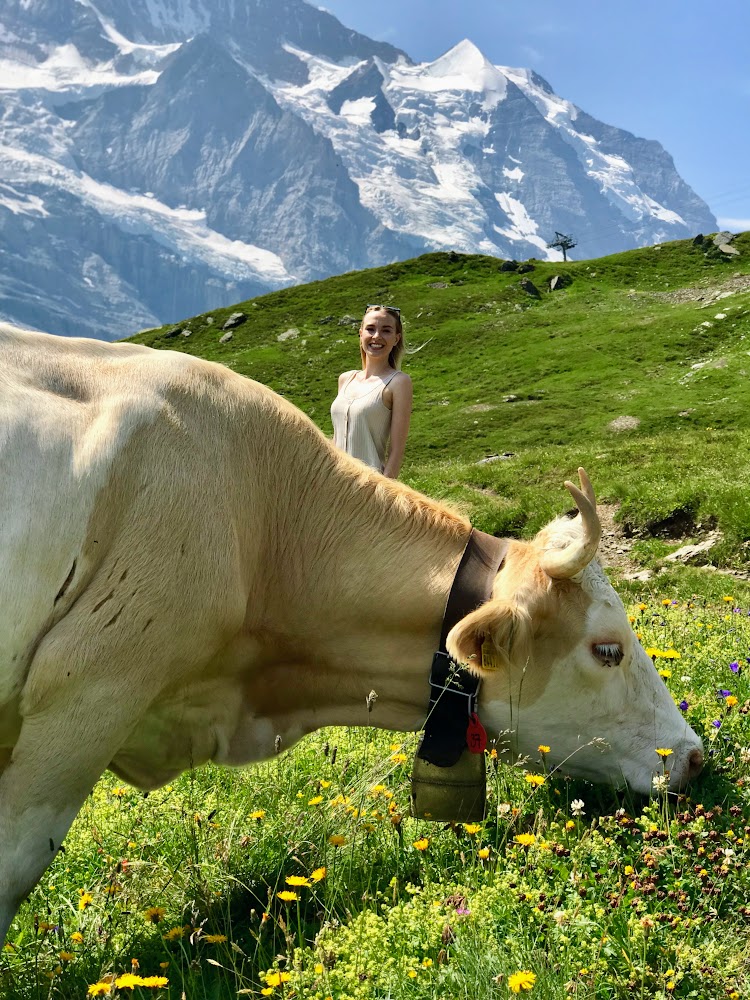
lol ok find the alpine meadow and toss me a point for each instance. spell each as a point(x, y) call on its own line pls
point(305, 876)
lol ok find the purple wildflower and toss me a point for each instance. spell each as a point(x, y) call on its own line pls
point(683, 706)
point(724, 693)
point(716, 723)
point(734, 667)
point(461, 911)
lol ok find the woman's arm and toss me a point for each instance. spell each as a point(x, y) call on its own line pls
point(401, 392)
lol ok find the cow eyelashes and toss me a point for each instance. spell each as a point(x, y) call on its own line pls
point(610, 653)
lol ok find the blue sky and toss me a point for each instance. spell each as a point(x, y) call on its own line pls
point(673, 70)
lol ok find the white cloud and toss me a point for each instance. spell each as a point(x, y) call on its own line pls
point(734, 225)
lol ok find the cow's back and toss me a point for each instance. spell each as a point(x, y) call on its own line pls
point(78, 420)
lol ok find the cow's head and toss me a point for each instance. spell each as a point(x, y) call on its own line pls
point(562, 667)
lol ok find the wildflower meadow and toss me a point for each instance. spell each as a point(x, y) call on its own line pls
point(305, 877)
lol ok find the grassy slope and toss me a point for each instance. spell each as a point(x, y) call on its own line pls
point(599, 904)
point(614, 343)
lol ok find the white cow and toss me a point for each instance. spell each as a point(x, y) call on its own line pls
point(192, 572)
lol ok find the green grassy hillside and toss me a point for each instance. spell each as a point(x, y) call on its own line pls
point(637, 369)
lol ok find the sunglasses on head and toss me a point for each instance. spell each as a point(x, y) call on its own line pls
point(377, 305)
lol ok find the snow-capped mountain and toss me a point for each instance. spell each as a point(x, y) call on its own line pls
point(159, 158)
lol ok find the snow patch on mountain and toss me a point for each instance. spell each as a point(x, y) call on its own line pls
point(183, 231)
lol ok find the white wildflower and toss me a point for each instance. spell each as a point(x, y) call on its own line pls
point(576, 807)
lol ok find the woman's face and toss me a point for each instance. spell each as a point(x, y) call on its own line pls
point(378, 334)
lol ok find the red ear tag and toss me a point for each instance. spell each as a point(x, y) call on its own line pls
point(476, 737)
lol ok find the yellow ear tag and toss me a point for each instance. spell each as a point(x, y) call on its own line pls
point(490, 658)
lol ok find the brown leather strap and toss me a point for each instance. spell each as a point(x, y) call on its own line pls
point(472, 585)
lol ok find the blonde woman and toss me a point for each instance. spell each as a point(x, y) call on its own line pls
point(372, 410)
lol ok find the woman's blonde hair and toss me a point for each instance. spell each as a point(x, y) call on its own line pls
point(397, 352)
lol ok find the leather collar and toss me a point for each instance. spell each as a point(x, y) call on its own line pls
point(453, 689)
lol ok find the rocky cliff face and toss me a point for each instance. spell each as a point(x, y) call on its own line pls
point(164, 157)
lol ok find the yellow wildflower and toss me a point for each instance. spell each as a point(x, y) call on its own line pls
point(258, 814)
point(483, 853)
point(422, 844)
point(337, 840)
point(128, 981)
point(399, 758)
point(315, 800)
point(214, 938)
point(472, 828)
point(98, 989)
point(525, 839)
point(66, 956)
point(154, 914)
point(521, 981)
point(543, 748)
point(287, 896)
point(76, 937)
point(174, 933)
point(318, 874)
point(664, 751)
point(86, 899)
point(154, 982)
point(730, 701)
point(534, 779)
point(277, 978)
point(297, 880)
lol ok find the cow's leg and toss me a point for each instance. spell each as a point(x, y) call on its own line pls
point(64, 746)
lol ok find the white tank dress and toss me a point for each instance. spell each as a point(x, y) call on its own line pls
point(362, 421)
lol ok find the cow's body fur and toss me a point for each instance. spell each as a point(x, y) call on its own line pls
point(192, 572)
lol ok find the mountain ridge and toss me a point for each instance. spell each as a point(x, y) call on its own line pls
point(268, 150)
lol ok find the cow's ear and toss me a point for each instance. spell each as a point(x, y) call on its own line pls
point(497, 626)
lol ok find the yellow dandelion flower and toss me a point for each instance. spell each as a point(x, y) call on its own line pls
point(426, 962)
point(628, 869)
point(570, 825)
point(671, 654)
point(472, 828)
point(728, 599)
point(730, 701)
point(534, 779)
point(324, 784)
point(315, 800)
point(666, 602)
point(642, 607)
point(128, 981)
point(267, 991)
point(483, 853)
point(422, 844)
point(543, 748)
point(258, 814)
point(66, 956)
point(277, 978)
point(395, 747)
point(297, 880)
point(86, 899)
point(318, 874)
point(76, 937)
point(154, 914)
point(652, 651)
point(318, 969)
point(337, 840)
point(214, 938)
point(174, 933)
point(287, 896)
point(525, 839)
point(523, 980)
point(154, 982)
point(412, 973)
point(399, 758)
point(664, 751)
point(665, 673)
point(98, 989)
point(119, 792)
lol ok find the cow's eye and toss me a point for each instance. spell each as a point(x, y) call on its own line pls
point(608, 653)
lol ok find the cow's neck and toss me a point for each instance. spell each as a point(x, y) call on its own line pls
point(359, 611)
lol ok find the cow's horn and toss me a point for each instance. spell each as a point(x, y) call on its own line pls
point(562, 564)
